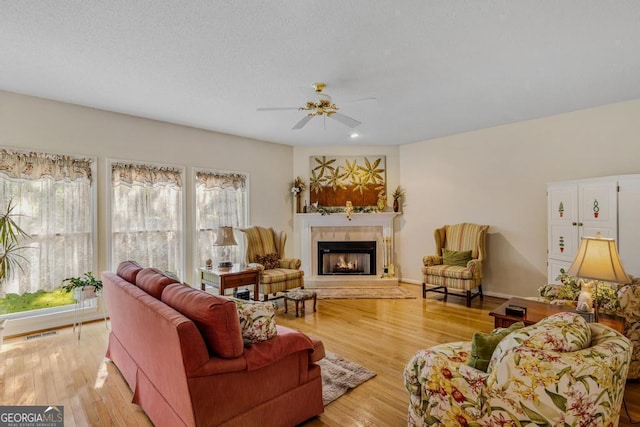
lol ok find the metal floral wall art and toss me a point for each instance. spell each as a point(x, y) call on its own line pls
point(335, 180)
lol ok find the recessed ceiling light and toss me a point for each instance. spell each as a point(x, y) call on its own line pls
point(354, 135)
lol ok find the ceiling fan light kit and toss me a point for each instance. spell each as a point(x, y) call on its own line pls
point(322, 107)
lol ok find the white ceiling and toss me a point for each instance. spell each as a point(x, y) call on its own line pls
point(436, 67)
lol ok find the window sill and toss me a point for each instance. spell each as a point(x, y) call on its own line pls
point(26, 322)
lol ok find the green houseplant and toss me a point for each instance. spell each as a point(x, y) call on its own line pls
point(11, 235)
point(87, 284)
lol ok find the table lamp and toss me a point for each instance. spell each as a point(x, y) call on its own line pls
point(598, 259)
point(225, 238)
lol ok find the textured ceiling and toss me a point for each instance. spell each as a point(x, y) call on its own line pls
point(435, 67)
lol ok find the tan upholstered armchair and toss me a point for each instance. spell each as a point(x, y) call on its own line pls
point(458, 265)
point(265, 246)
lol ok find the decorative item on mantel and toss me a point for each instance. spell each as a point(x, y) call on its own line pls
point(297, 187)
point(397, 194)
point(382, 200)
point(349, 210)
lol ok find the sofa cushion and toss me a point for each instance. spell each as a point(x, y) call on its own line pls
point(483, 345)
point(216, 318)
point(278, 275)
point(257, 320)
point(459, 258)
point(128, 270)
point(286, 342)
point(153, 281)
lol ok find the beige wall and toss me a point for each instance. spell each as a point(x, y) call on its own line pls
point(494, 176)
point(38, 124)
point(498, 177)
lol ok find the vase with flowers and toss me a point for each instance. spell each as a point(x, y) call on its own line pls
point(397, 194)
point(297, 187)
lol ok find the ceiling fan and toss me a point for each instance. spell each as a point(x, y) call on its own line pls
point(322, 107)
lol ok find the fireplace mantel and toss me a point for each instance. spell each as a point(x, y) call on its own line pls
point(309, 221)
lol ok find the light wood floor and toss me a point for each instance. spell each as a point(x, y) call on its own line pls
point(379, 334)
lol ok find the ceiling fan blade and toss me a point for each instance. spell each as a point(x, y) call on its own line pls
point(345, 120)
point(372, 98)
point(302, 122)
point(276, 108)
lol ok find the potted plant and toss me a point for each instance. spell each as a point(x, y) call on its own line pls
point(83, 287)
point(10, 237)
point(397, 194)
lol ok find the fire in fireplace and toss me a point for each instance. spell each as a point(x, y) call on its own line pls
point(353, 258)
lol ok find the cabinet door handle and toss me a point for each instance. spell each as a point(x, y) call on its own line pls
point(580, 224)
point(574, 223)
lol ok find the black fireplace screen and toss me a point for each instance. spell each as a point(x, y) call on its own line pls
point(356, 258)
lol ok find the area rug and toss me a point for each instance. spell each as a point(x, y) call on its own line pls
point(383, 292)
point(340, 375)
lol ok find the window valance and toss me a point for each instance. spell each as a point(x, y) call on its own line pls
point(130, 173)
point(34, 165)
point(211, 180)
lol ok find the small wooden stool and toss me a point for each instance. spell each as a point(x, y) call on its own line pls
point(298, 296)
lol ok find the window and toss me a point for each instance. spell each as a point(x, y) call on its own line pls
point(146, 216)
point(221, 200)
point(54, 199)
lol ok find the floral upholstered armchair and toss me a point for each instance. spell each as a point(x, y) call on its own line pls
point(265, 247)
point(623, 301)
point(460, 253)
point(560, 371)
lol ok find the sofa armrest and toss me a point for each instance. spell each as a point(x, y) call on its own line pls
point(554, 388)
point(318, 352)
point(475, 265)
point(442, 388)
point(290, 263)
point(430, 260)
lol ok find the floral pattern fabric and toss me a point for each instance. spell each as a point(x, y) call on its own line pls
point(257, 320)
point(525, 385)
point(625, 302)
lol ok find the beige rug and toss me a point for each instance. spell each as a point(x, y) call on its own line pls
point(383, 292)
point(340, 375)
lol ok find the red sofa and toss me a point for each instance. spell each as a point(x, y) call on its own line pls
point(181, 352)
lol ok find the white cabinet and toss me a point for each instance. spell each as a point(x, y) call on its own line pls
point(629, 223)
point(576, 209)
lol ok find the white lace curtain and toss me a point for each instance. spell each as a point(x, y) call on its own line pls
point(220, 201)
point(52, 194)
point(146, 218)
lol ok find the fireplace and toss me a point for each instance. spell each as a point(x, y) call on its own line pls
point(346, 258)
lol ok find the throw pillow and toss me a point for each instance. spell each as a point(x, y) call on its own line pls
point(483, 345)
point(459, 258)
point(257, 320)
point(270, 261)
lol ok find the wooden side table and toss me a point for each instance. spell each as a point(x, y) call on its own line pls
point(230, 278)
point(536, 311)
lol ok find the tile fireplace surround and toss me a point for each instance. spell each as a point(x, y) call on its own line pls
point(311, 228)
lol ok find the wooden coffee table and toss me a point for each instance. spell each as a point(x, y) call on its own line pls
point(536, 311)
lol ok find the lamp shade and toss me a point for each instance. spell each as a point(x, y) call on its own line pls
point(598, 259)
point(225, 237)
